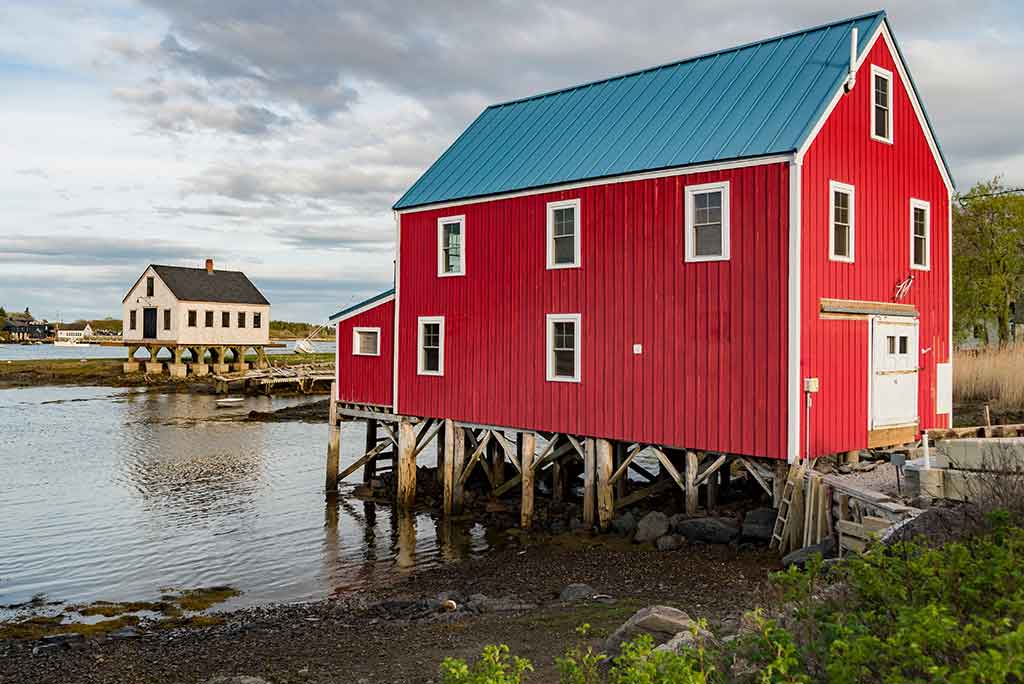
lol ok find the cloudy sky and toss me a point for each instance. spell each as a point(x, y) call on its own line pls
point(274, 135)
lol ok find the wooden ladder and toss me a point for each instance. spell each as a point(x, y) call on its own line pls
point(778, 541)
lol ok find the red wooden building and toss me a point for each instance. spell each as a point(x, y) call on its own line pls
point(741, 253)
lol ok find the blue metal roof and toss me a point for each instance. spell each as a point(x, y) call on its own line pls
point(363, 304)
point(748, 101)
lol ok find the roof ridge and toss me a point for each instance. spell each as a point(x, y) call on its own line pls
point(195, 268)
point(694, 58)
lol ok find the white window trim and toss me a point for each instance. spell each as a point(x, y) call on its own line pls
point(833, 187)
point(549, 351)
point(921, 204)
point(355, 341)
point(887, 75)
point(691, 238)
point(461, 220)
point(421, 322)
point(564, 204)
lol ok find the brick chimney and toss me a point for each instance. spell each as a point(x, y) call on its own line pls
point(209, 266)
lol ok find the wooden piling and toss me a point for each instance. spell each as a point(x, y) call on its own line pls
point(527, 451)
point(557, 482)
point(458, 460)
point(333, 443)
point(620, 458)
point(448, 467)
point(406, 466)
point(690, 476)
point(370, 468)
point(605, 494)
point(589, 482)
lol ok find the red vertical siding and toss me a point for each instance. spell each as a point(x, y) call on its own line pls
point(367, 379)
point(886, 177)
point(712, 372)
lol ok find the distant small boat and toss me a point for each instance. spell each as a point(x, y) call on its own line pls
point(303, 347)
point(227, 402)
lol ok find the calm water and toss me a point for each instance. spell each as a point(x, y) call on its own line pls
point(112, 494)
point(22, 352)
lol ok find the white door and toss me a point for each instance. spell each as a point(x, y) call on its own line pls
point(894, 366)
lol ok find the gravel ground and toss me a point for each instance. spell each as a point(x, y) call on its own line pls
point(400, 634)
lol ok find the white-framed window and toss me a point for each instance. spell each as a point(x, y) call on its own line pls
point(920, 235)
point(841, 221)
point(563, 347)
point(430, 345)
point(451, 246)
point(707, 222)
point(563, 234)
point(366, 341)
point(881, 104)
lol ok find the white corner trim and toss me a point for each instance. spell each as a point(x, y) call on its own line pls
point(883, 32)
point(337, 369)
point(549, 350)
point(833, 188)
point(793, 316)
point(613, 180)
point(927, 207)
point(441, 223)
point(395, 339)
point(355, 341)
point(690, 237)
point(949, 278)
point(421, 322)
point(887, 75)
point(573, 204)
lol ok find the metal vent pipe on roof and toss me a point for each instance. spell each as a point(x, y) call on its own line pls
point(851, 78)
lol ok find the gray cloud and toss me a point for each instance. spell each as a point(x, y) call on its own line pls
point(335, 238)
point(76, 250)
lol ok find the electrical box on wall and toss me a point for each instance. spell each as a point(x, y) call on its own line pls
point(810, 384)
point(638, 349)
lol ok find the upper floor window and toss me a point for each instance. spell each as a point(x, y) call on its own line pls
point(841, 222)
point(430, 357)
point(707, 222)
point(563, 344)
point(451, 243)
point(564, 234)
point(366, 341)
point(209, 319)
point(881, 104)
point(149, 286)
point(225, 319)
point(920, 234)
point(131, 319)
point(241, 319)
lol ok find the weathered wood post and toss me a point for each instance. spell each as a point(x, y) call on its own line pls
point(781, 472)
point(497, 462)
point(690, 476)
point(557, 480)
point(441, 452)
point(406, 465)
point(620, 458)
point(333, 442)
point(370, 468)
point(605, 494)
point(458, 461)
point(589, 481)
point(528, 449)
point(447, 466)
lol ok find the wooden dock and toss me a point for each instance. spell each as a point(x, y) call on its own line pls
point(305, 378)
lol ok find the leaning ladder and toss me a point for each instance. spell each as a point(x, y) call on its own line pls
point(781, 531)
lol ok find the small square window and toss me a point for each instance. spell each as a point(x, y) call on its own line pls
point(563, 347)
point(563, 250)
point(842, 210)
point(366, 341)
point(891, 343)
point(209, 319)
point(881, 104)
point(225, 319)
point(192, 319)
point(707, 222)
point(920, 235)
point(903, 344)
point(241, 319)
point(451, 246)
point(430, 359)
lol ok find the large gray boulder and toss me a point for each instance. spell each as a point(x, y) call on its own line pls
point(624, 524)
point(709, 530)
point(826, 549)
point(759, 523)
point(650, 527)
point(689, 639)
point(661, 622)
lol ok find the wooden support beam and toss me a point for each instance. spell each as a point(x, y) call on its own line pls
point(497, 460)
point(641, 494)
point(333, 442)
point(529, 446)
point(692, 463)
point(589, 480)
point(576, 445)
point(370, 467)
point(710, 469)
point(619, 458)
point(406, 466)
point(758, 476)
point(620, 472)
point(509, 448)
point(368, 457)
point(448, 467)
point(457, 456)
point(441, 453)
point(427, 432)
point(481, 446)
point(666, 464)
point(711, 491)
point(557, 482)
point(605, 492)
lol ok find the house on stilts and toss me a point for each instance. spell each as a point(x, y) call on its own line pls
point(739, 256)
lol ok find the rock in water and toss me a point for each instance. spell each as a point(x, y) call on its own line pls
point(670, 542)
point(759, 523)
point(651, 526)
point(661, 622)
point(577, 592)
point(709, 530)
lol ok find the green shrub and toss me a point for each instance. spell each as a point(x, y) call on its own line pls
point(495, 666)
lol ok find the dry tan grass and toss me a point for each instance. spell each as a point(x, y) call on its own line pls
point(994, 374)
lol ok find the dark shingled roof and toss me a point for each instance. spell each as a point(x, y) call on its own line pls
point(196, 285)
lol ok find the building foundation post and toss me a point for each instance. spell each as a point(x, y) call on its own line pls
point(370, 469)
point(605, 494)
point(333, 443)
point(406, 466)
point(527, 451)
point(589, 481)
point(690, 476)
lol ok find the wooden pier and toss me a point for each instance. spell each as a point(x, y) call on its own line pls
point(304, 378)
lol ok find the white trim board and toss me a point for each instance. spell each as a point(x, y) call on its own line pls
point(851, 237)
point(550, 210)
point(441, 223)
point(611, 180)
point(549, 351)
point(887, 76)
point(793, 315)
point(421, 322)
point(883, 32)
point(689, 212)
point(366, 307)
point(396, 339)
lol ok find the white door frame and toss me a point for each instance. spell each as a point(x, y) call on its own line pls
point(914, 322)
